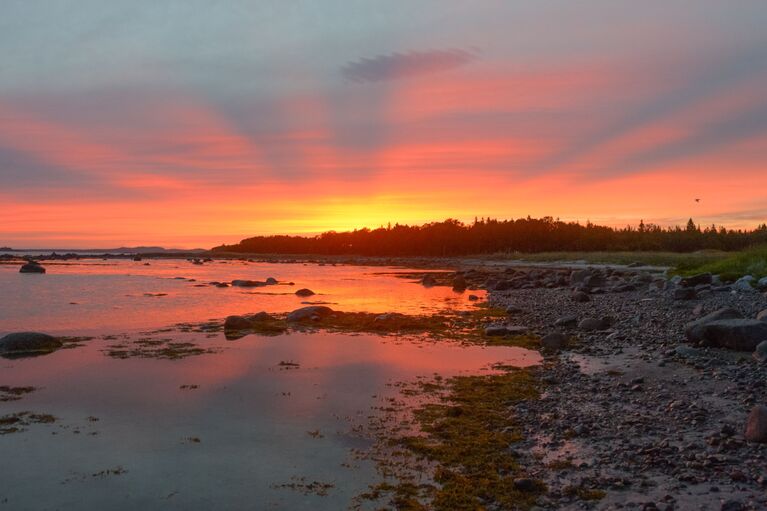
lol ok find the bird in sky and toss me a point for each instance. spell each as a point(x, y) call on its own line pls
point(697, 200)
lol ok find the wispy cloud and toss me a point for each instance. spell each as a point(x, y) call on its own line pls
point(402, 65)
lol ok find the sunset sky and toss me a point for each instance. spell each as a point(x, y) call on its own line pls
point(193, 123)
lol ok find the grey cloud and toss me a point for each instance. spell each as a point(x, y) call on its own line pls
point(403, 65)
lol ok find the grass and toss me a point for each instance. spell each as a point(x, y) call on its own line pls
point(664, 259)
point(752, 261)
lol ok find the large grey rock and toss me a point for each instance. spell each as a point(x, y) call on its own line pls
point(27, 344)
point(693, 330)
point(734, 334)
point(756, 424)
point(554, 341)
point(744, 284)
point(32, 267)
point(761, 284)
point(311, 312)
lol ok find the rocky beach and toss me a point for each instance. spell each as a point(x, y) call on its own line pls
point(639, 410)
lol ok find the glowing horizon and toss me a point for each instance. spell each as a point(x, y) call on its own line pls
point(188, 125)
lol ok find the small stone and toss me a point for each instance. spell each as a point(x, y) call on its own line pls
point(304, 292)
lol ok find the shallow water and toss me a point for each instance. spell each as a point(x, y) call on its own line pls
point(253, 433)
point(92, 295)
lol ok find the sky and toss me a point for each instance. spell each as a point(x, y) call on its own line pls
point(188, 123)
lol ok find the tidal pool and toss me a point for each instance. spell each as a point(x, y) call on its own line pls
point(256, 423)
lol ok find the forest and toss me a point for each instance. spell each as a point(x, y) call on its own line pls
point(486, 236)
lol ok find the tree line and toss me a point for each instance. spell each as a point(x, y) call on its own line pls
point(483, 236)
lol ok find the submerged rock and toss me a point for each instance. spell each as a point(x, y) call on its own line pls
point(248, 283)
point(28, 344)
point(305, 292)
point(270, 281)
point(32, 267)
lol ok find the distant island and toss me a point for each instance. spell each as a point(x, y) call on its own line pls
point(120, 250)
point(485, 236)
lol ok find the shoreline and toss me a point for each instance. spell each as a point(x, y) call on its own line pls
point(634, 411)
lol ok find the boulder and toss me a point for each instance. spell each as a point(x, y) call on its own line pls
point(697, 280)
point(554, 341)
point(762, 316)
point(32, 267)
point(756, 425)
point(304, 292)
point(761, 284)
point(685, 293)
point(566, 321)
point(312, 312)
point(734, 334)
point(237, 323)
point(580, 297)
point(428, 281)
point(577, 277)
point(744, 284)
point(694, 329)
point(270, 281)
point(496, 331)
point(28, 344)
point(590, 324)
point(760, 353)
point(459, 283)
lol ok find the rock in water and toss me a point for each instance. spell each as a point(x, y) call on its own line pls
point(32, 267)
point(311, 312)
point(28, 344)
point(459, 283)
point(270, 281)
point(237, 323)
point(756, 425)
point(428, 281)
point(304, 292)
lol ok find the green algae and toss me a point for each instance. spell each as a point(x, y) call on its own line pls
point(464, 435)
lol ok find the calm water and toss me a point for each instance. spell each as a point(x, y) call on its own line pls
point(128, 436)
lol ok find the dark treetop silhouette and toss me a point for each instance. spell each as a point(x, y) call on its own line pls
point(453, 238)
